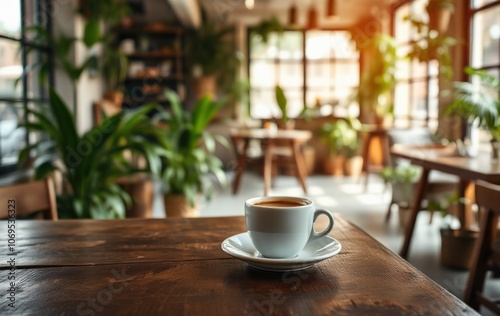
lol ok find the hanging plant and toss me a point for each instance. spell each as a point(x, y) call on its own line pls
point(266, 27)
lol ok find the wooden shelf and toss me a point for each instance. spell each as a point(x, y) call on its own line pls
point(151, 30)
point(155, 78)
point(156, 46)
point(155, 55)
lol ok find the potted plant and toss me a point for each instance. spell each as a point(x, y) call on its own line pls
point(479, 101)
point(374, 93)
point(90, 164)
point(212, 57)
point(457, 243)
point(265, 27)
point(431, 42)
point(439, 12)
point(402, 179)
point(281, 100)
point(114, 69)
point(190, 160)
point(352, 143)
point(340, 137)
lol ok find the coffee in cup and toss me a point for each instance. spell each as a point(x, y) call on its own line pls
point(281, 226)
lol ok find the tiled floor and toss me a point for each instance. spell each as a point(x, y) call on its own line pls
point(365, 208)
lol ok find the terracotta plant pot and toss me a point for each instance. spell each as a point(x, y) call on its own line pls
point(334, 165)
point(439, 17)
point(177, 206)
point(140, 189)
point(114, 96)
point(205, 86)
point(353, 166)
point(457, 248)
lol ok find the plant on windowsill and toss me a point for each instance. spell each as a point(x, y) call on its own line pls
point(402, 179)
point(457, 243)
point(91, 164)
point(479, 101)
point(284, 121)
point(190, 168)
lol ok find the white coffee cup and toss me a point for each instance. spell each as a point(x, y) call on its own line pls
point(281, 226)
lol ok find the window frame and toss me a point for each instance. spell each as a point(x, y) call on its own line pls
point(42, 16)
point(304, 62)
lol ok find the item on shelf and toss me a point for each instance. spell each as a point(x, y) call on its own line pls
point(135, 68)
point(166, 68)
point(127, 46)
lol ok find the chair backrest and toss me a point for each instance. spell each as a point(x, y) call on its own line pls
point(417, 136)
point(28, 198)
point(487, 197)
point(414, 136)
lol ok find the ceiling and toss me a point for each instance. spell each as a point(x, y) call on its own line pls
point(349, 11)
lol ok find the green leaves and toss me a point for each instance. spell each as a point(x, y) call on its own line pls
point(281, 100)
point(190, 161)
point(92, 163)
point(92, 32)
point(478, 100)
point(341, 136)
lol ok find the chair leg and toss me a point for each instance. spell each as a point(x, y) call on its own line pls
point(477, 274)
point(388, 214)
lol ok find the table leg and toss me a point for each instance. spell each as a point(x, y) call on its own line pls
point(300, 166)
point(242, 162)
point(417, 205)
point(465, 213)
point(365, 169)
point(268, 164)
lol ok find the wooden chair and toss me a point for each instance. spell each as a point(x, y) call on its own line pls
point(28, 198)
point(486, 255)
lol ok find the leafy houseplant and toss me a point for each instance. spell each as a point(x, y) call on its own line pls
point(265, 27)
point(90, 164)
point(190, 159)
point(479, 101)
point(114, 68)
point(374, 93)
point(457, 243)
point(342, 140)
point(431, 42)
point(402, 178)
point(211, 55)
point(439, 12)
point(281, 100)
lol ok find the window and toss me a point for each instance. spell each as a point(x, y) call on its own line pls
point(15, 17)
point(312, 67)
point(416, 94)
point(485, 48)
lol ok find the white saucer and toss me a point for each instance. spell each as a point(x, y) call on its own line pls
point(241, 247)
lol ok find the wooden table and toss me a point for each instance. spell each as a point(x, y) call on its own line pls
point(177, 267)
point(269, 138)
point(444, 159)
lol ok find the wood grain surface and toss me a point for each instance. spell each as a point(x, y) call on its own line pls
point(176, 267)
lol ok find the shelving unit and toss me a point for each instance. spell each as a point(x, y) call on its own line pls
point(156, 63)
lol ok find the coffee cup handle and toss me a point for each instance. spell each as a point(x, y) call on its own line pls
point(318, 212)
